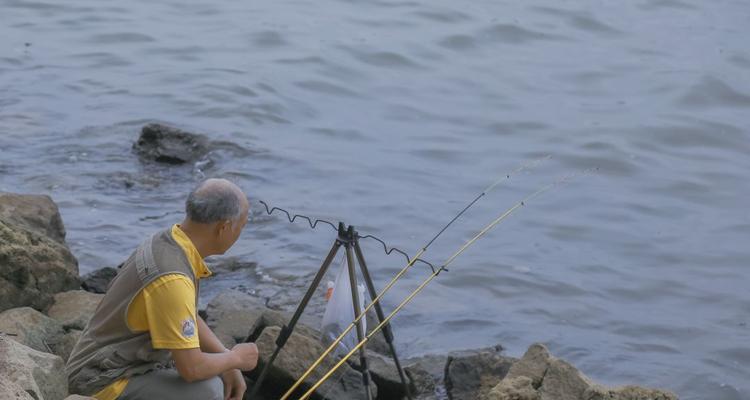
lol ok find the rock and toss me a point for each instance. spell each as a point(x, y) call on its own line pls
point(472, 374)
point(598, 392)
point(10, 390)
point(563, 382)
point(298, 354)
point(98, 281)
point(64, 346)
point(384, 373)
point(36, 213)
point(539, 376)
point(232, 315)
point(40, 374)
point(169, 145)
point(278, 319)
point(34, 268)
point(74, 309)
point(31, 328)
point(518, 388)
point(79, 397)
point(533, 365)
point(427, 374)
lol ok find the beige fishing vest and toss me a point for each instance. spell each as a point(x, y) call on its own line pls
point(108, 350)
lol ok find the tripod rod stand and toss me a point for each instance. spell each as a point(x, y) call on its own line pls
point(348, 238)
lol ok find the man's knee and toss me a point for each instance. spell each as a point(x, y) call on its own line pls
point(167, 385)
point(209, 389)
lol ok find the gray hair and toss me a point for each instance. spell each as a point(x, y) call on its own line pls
point(211, 201)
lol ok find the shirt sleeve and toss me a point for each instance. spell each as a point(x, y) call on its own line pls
point(170, 311)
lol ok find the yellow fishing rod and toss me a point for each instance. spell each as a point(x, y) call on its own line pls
point(429, 279)
point(410, 263)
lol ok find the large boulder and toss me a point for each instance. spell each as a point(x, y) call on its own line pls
point(563, 382)
point(33, 267)
point(426, 374)
point(518, 388)
point(384, 373)
point(539, 376)
point(169, 145)
point(98, 281)
point(470, 375)
point(37, 213)
point(64, 346)
point(278, 319)
point(532, 365)
point(598, 392)
point(74, 309)
point(10, 390)
point(298, 354)
point(32, 328)
point(232, 315)
point(40, 374)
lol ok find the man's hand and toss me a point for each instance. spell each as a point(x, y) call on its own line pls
point(234, 384)
point(247, 356)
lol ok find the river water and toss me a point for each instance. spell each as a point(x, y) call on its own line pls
point(391, 115)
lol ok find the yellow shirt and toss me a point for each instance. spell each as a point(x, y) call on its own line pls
point(166, 309)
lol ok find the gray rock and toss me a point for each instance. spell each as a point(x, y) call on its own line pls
point(299, 353)
point(427, 374)
point(64, 346)
point(278, 319)
point(79, 397)
point(232, 315)
point(384, 373)
point(539, 376)
point(533, 364)
point(34, 268)
point(31, 328)
point(518, 388)
point(36, 213)
point(98, 281)
point(598, 392)
point(470, 375)
point(40, 374)
point(563, 382)
point(10, 390)
point(169, 145)
point(74, 309)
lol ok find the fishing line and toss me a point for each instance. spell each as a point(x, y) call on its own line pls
point(407, 300)
point(409, 264)
point(313, 224)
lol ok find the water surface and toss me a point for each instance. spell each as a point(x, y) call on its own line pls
point(391, 115)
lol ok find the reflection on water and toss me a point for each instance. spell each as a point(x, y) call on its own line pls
point(391, 115)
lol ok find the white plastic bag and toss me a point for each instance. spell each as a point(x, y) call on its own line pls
point(339, 312)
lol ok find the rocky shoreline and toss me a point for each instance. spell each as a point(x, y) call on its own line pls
point(44, 305)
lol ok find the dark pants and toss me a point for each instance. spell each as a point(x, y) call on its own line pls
point(167, 384)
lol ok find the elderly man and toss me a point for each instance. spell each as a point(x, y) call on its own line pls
point(148, 319)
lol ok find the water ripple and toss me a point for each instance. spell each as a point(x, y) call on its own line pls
point(122, 37)
point(712, 92)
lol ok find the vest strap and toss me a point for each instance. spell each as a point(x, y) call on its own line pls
point(144, 260)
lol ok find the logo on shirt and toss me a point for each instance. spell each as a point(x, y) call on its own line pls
point(188, 328)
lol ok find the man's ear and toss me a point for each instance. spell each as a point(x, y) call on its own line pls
point(219, 229)
point(223, 227)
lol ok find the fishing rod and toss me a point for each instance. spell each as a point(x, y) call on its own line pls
point(429, 279)
point(410, 263)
